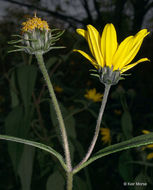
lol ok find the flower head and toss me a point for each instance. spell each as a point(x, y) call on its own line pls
point(34, 23)
point(106, 135)
point(93, 95)
point(36, 37)
point(109, 58)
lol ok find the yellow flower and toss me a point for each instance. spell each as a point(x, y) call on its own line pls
point(58, 89)
point(145, 131)
point(150, 155)
point(93, 95)
point(34, 23)
point(106, 136)
point(109, 58)
point(149, 145)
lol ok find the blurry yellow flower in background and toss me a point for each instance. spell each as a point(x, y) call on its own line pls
point(117, 112)
point(145, 131)
point(150, 146)
point(106, 135)
point(93, 95)
point(58, 89)
point(150, 156)
point(109, 58)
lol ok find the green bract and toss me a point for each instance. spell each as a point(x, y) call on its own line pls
point(37, 41)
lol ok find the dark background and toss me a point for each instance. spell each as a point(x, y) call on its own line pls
point(36, 169)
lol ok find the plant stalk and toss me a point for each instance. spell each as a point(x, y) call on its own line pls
point(57, 109)
point(93, 142)
point(69, 180)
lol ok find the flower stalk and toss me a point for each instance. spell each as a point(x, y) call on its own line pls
point(57, 109)
point(69, 180)
point(97, 129)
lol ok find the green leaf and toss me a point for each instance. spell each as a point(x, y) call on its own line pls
point(26, 167)
point(13, 91)
point(79, 184)
point(55, 182)
point(13, 123)
point(126, 122)
point(125, 166)
point(131, 143)
point(142, 163)
point(26, 76)
point(37, 145)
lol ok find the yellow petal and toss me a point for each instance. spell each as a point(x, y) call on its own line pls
point(129, 50)
point(87, 57)
point(121, 52)
point(137, 42)
point(82, 32)
point(108, 43)
point(134, 64)
point(85, 34)
point(150, 156)
point(141, 34)
point(94, 40)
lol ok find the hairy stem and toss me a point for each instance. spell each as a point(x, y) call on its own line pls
point(57, 109)
point(69, 180)
point(93, 142)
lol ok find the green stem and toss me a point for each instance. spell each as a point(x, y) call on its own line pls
point(57, 109)
point(69, 180)
point(93, 142)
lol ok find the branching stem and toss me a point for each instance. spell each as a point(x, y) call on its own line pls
point(93, 142)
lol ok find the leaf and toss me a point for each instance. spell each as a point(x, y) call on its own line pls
point(125, 166)
point(26, 76)
point(79, 184)
point(127, 126)
point(17, 123)
point(143, 163)
point(13, 91)
point(13, 123)
point(55, 182)
point(131, 143)
point(37, 145)
point(26, 167)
